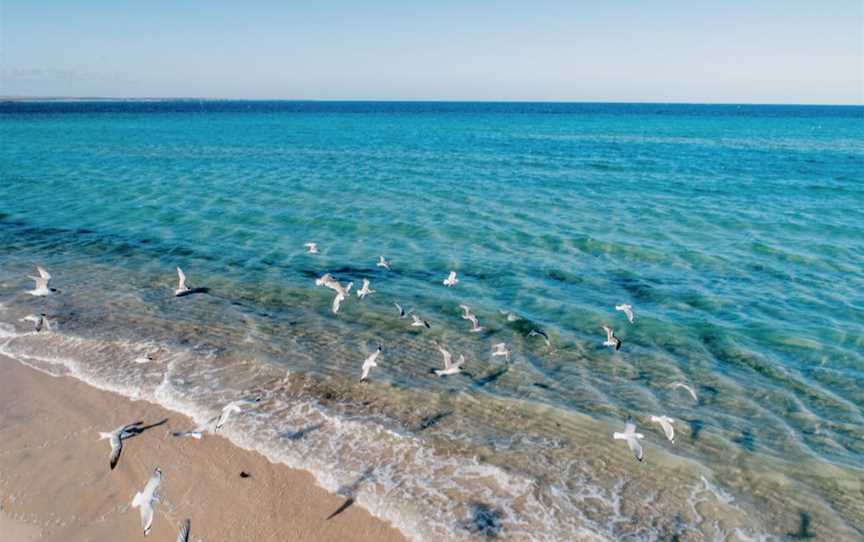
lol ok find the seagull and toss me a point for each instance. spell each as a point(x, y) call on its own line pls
point(146, 498)
point(627, 309)
point(450, 368)
point(369, 363)
point(632, 438)
point(611, 339)
point(402, 313)
point(328, 281)
point(419, 322)
point(540, 333)
point(383, 263)
point(184, 531)
point(508, 315)
point(467, 311)
point(365, 290)
point(42, 288)
point(182, 288)
point(666, 423)
point(116, 437)
point(233, 406)
point(337, 301)
point(500, 349)
point(676, 385)
point(39, 321)
point(451, 279)
point(311, 248)
point(198, 432)
point(475, 326)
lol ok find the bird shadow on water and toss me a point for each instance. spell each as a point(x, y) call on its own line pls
point(483, 520)
point(491, 377)
point(350, 491)
point(300, 433)
point(433, 420)
point(695, 427)
point(803, 531)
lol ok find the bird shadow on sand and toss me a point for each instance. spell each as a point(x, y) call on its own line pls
point(350, 491)
point(300, 433)
point(483, 521)
point(135, 431)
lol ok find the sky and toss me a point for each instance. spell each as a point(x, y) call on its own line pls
point(734, 51)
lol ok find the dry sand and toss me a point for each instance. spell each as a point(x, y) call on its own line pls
point(55, 479)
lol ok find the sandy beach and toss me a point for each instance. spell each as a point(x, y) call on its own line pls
point(55, 482)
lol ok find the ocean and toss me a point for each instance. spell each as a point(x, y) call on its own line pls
point(735, 232)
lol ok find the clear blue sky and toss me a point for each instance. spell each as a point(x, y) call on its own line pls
point(772, 51)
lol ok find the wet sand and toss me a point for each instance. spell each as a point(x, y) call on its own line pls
point(55, 478)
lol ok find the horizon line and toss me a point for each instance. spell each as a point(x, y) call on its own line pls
point(18, 98)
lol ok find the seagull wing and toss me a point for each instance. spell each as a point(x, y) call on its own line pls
point(184, 531)
point(181, 285)
point(116, 448)
point(635, 447)
point(43, 273)
point(610, 335)
point(448, 357)
point(146, 516)
point(337, 301)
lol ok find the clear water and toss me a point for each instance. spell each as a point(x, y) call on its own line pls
point(737, 234)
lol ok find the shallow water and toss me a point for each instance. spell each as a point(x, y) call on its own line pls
point(735, 232)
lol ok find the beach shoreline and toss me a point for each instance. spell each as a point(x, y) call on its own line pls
point(55, 477)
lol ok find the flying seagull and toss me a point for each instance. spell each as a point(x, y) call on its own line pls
point(184, 531)
point(337, 301)
point(500, 349)
point(402, 313)
point(182, 288)
point(632, 438)
point(383, 263)
point(419, 322)
point(676, 385)
point(42, 288)
point(328, 281)
point(611, 339)
point(198, 432)
point(509, 316)
point(466, 311)
point(146, 498)
point(233, 406)
point(666, 423)
point(627, 309)
point(369, 363)
point(450, 368)
point(116, 437)
point(365, 290)
point(451, 279)
point(540, 333)
point(40, 321)
point(311, 248)
point(475, 325)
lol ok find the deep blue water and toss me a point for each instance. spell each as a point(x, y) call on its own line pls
point(736, 232)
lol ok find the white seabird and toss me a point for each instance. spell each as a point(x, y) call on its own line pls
point(666, 423)
point(611, 339)
point(116, 437)
point(184, 531)
point(402, 313)
point(466, 310)
point(365, 290)
point(40, 321)
point(328, 281)
point(632, 438)
point(311, 248)
point(146, 498)
point(383, 263)
point(233, 406)
point(475, 325)
point(450, 368)
point(419, 322)
point(451, 279)
point(500, 349)
point(676, 385)
point(337, 301)
point(508, 315)
point(182, 287)
point(370, 362)
point(42, 288)
point(627, 309)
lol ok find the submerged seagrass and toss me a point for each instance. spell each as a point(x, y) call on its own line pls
point(736, 233)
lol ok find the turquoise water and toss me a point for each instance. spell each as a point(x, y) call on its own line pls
point(737, 234)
